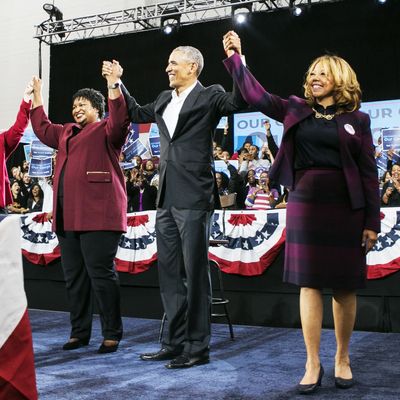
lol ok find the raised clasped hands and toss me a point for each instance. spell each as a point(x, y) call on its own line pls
point(28, 91)
point(36, 85)
point(111, 71)
point(231, 43)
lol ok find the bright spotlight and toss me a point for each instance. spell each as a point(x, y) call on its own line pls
point(168, 29)
point(297, 11)
point(240, 12)
point(240, 18)
point(171, 21)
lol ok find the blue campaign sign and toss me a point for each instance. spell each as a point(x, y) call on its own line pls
point(250, 127)
point(40, 168)
point(27, 152)
point(155, 146)
point(136, 148)
point(383, 114)
point(28, 136)
point(391, 139)
point(154, 132)
point(221, 166)
point(127, 165)
point(222, 123)
point(40, 150)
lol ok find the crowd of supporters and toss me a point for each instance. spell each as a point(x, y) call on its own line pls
point(249, 181)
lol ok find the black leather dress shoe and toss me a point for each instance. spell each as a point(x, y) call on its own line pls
point(342, 383)
point(187, 361)
point(111, 348)
point(312, 387)
point(75, 343)
point(161, 355)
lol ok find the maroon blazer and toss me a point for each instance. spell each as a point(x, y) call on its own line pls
point(9, 141)
point(94, 186)
point(355, 141)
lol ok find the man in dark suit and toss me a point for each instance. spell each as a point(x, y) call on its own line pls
point(186, 116)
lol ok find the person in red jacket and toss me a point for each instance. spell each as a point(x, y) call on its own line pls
point(9, 141)
point(87, 179)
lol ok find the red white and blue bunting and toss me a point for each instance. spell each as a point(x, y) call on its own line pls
point(254, 240)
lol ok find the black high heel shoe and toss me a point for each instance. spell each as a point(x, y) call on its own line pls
point(312, 387)
point(342, 383)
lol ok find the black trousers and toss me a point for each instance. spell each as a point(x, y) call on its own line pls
point(184, 274)
point(88, 263)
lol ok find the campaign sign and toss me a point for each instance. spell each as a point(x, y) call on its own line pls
point(220, 166)
point(391, 139)
point(136, 148)
point(128, 165)
point(27, 152)
point(28, 136)
point(383, 114)
point(222, 123)
point(154, 132)
point(155, 146)
point(40, 168)
point(250, 127)
point(40, 150)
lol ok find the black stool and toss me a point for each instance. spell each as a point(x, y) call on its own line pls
point(226, 201)
point(221, 301)
point(215, 301)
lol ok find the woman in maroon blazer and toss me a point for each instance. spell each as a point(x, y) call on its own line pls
point(87, 180)
point(9, 141)
point(326, 158)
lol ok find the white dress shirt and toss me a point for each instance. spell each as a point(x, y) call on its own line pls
point(171, 112)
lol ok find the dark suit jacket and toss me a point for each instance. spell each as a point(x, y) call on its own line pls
point(355, 141)
point(93, 179)
point(186, 161)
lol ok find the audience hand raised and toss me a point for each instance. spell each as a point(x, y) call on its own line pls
point(231, 43)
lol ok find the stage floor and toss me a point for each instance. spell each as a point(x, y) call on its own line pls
point(261, 363)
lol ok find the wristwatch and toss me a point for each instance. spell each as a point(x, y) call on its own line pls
point(113, 86)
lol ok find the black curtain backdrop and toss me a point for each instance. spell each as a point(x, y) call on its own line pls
point(278, 49)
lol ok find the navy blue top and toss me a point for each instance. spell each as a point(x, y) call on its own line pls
point(317, 142)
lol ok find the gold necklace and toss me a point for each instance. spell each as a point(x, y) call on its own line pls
point(319, 115)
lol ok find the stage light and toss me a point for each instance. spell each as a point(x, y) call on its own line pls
point(171, 22)
point(297, 11)
point(294, 9)
point(240, 12)
point(381, 1)
point(55, 14)
point(53, 11)
point(168, 29)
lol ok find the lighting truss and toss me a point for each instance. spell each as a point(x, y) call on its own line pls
point(148, 17)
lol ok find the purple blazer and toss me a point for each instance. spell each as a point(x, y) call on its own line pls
point(355, 141)
point(94, 185)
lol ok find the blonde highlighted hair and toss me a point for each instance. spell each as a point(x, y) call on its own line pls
point(346, 89)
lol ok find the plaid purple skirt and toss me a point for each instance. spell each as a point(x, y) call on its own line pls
point(323, 234)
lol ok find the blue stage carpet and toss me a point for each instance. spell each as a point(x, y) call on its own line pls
point(261, 363)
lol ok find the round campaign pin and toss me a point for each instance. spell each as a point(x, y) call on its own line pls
point(349, 129)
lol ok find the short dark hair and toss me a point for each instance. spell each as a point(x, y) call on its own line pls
point(94, 96)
